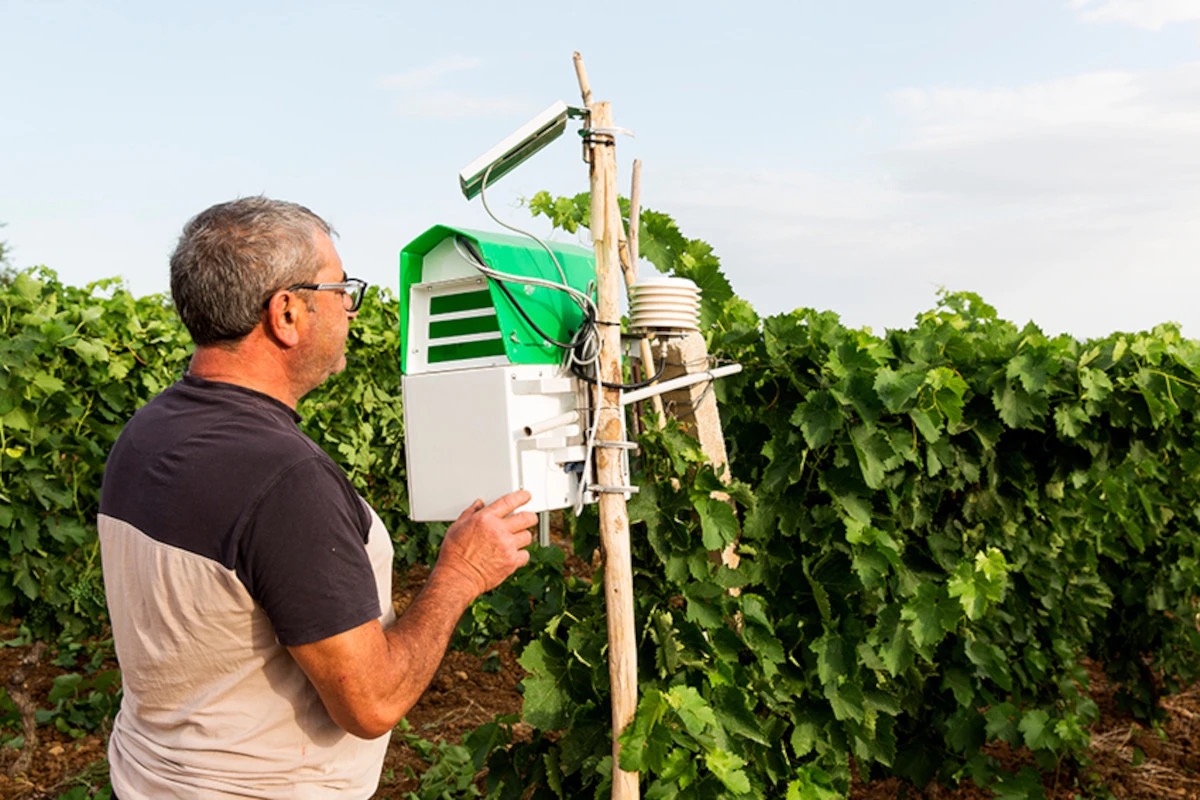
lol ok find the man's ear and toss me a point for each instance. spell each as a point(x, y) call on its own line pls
point(282, 317)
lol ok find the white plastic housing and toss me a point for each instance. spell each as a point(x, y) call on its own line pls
point(481, 433)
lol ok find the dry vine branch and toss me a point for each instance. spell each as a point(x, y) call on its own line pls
point(18, 692)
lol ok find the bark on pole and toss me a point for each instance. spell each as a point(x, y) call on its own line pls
point(614, 517)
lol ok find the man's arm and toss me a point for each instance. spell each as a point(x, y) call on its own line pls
point(369, 677)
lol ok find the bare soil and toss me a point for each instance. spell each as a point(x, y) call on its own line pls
point(1132, 761)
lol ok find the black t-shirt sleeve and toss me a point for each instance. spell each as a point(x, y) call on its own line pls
point(302, 555)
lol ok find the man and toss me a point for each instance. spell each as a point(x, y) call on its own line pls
point(249, 585)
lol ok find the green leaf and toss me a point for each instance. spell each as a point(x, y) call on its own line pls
point(820, 596)
point(1030, 370)
point(949, 393)
point(1070, 420)
point(1097, 386)
point(804, 737)
point(856, 508)
point(1001, 722)
point(819, 417)
point(981, 583)
point(931, 615)
point(546, 699)
point(24, 581)
point(47, 383)
point(27, 287)
point(718, 524)
point(728, 769)
point(695, 714)
point(643, 742)
point(892, 641)
point(898, 388)
point(873, 451)
point(960, 684)
point(992, 662)
point(846, 701)
point(1025, 785)
point(703, 604)
point(1035, 727)
point(812, 783)
point(834, 660)
point(67, 530)
point(965, 731)
point(1017, 407)
point(16, 419)
point(928, 423)
point(729, 705)
point(90, 350)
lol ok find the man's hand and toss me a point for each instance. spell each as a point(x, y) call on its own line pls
point(369, 677)
point(486, 544)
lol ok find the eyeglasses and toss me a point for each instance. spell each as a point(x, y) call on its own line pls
point(353, 290)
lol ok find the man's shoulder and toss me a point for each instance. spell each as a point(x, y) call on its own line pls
point(217, 437)
point(209, 417)
point(192, 468)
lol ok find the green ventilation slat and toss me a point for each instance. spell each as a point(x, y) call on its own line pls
point(440, 329)
point(463, 301)
point(441, 353)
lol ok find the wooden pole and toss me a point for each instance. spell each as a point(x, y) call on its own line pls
point(614, 517)
point(585, 88)
point(635, 213)
point(628, 248)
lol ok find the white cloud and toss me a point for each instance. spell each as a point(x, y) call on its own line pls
point(1150, 14)
point(422, 77)
point(1109, 136)
point(1162, 101)
point(448, 104)
point(1070, 203)
point(421, 94)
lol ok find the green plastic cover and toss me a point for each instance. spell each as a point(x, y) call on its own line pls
point(551, 310)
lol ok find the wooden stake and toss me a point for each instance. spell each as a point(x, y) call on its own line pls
point(628, 248)
point(585, 88)
point(635, 213)
point(614, 517)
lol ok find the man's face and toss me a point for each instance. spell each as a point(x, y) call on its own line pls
point(328, 322)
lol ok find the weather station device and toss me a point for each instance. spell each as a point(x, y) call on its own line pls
point(500, 353)
point(517, 369)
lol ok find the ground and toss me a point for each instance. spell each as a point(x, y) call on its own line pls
point(1134, 762)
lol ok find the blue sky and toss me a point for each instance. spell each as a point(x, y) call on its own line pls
point(853, 157)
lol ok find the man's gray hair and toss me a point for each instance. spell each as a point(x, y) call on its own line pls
point(233, 256)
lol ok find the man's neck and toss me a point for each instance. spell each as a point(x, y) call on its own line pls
point(247, 366)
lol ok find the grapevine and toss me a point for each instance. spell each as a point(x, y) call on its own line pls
point(937, 526)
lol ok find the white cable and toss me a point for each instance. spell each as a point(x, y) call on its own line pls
point(483, 198)
point(598, 398)
point(585, 303)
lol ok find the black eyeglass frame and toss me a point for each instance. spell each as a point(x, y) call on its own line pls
point(355, 289)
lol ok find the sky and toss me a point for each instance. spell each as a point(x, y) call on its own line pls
point(856, 157)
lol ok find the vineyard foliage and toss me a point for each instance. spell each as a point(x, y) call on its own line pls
point(77, 363)
point(936, 526)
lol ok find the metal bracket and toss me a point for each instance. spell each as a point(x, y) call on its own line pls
point(617, 445)
point(597, 489)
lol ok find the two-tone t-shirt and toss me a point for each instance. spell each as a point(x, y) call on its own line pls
point(227, 535)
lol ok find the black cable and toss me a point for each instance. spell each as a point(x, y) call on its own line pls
point(576, 341)
point(469, 246)
point(576, 370)
point(529, 321)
